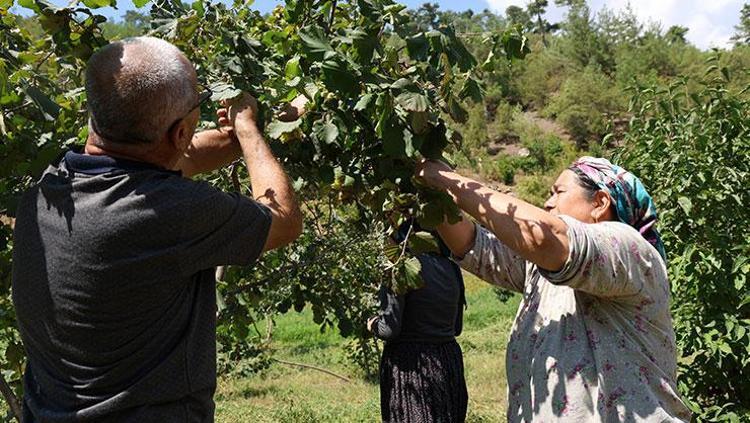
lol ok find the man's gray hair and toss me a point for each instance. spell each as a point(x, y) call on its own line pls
point(137, 88)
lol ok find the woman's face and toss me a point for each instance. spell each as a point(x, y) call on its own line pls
point(571, 199)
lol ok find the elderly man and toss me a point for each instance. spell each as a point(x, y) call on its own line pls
point(115, 248)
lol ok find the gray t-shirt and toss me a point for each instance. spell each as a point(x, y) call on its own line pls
point(114, 289)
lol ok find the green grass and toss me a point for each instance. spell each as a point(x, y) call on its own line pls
point(290, 394)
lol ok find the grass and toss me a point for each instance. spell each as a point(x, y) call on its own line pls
point(289, 394)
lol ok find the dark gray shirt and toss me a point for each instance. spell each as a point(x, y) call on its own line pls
point(114, 289)
point(432, 313)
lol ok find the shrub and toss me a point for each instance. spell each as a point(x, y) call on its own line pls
point(694, 153)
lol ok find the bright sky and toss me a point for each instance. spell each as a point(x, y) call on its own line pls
point(711, 22)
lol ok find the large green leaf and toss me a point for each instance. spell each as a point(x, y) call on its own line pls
point(412, 268)
point(412, 102)
point(314, 42)
point(222, 91)
point(50, 110)
point(423, 242)
point(337, 77)
point(95, 4)
point(435, 142)
point(363, 102)
point(418, 47)
point(278, 128)
point(326, 131)
point(292, 69)
point(471, 89)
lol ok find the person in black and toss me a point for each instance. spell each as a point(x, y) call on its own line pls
point(421, 370)
point(115, 247)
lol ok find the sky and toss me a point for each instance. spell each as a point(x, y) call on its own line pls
point(710, 22)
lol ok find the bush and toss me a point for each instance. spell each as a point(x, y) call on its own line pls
point(543, 74)
point(586, 104)
point(694, 153)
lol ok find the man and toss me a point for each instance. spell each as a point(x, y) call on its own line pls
point(115, 249)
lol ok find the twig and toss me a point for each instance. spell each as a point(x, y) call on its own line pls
point(10, 398)
point(221, 270)
point(308, 366)
point(19, 107)
point(39, 65)
point(332, 16)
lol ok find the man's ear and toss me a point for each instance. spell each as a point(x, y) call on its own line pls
point(602, 210)
point(179, 135)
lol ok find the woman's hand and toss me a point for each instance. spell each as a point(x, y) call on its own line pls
point(429, 171)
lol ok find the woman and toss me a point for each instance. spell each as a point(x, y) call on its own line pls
point(422, 370)
point(593, 337)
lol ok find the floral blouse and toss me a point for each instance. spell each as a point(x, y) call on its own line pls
point(594, 341)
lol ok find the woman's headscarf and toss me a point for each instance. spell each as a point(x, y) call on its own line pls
point(632, 202)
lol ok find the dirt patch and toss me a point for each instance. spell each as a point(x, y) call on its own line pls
point(547, 125)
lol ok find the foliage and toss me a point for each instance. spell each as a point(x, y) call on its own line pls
point(381, 95)
point(585, 105)
point(335, 269)
point(696, 149)
point(742, 36)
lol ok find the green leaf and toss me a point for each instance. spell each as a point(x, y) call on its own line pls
point(49, 108)
point(315, 44)
point(456, 111)
point(29, 4)
point(364, 44)
point(95, 4)
point(435, 142)
point(423, 242)
point(222, 91)
point(514, 44)
point(140, 3)
point(412, 268)
point(412, 102)
point(392, 252)
point(337, 77)
point(292, 69)
point(326, 131)
point(420, 122)
point(392, 135)
point(363, 102)
point(418, 47)
point(685, 204)
point(471, 89)
point(277, 128)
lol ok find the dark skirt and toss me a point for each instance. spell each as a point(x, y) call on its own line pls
point(422, 383)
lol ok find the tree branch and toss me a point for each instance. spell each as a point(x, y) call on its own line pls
point(10, 398)
point(308, 366)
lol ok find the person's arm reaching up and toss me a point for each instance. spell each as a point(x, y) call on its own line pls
point(268, 180)
point(533, 233)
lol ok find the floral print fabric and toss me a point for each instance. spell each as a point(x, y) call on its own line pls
point(593, 341)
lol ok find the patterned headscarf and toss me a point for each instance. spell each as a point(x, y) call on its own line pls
point(632, 202)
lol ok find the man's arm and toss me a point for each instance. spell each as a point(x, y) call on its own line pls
point(215, 148)
point(268, 180)
point(209, 150)
point(533, 233)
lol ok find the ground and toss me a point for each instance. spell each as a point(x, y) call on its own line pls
point(289, 394)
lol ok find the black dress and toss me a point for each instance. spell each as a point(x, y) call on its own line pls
point(421, 370)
